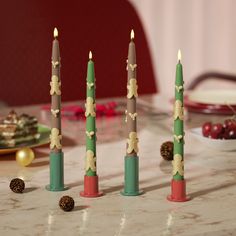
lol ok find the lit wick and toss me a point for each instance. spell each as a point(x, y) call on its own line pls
point(90, 55)
point(55, 33)
point(132, 34)
point(179, 55)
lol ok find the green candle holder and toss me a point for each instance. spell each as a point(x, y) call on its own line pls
point(131, 177)
point(56, 172)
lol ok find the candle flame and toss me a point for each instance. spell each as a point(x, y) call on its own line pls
point(90, 55)
point(179, 55)
point(55, 33)
point(132, 34)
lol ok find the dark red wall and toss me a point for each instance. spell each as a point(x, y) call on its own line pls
point(103, 26)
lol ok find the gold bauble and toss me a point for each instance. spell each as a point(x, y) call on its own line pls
point(25, 156)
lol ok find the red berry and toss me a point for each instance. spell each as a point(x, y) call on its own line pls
point(206, 129)
point(217, 131)
point(230, 133)
point(230, 123)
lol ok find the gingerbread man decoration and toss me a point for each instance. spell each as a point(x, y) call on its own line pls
point(55, 138)
point(90, 107)
point(132, 88)
point(178, 165)
point(55, 85)
point(90, 161)
point(132, 142)
point(178, 110)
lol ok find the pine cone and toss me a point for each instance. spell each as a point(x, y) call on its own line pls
point(17, 185)
point(66, 203)
point(167, 150)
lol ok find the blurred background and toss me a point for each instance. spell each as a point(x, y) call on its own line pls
point(203, 30)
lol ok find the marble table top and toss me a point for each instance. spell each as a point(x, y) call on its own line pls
point(210, 178)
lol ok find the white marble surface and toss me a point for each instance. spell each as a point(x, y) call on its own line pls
point(210, 176)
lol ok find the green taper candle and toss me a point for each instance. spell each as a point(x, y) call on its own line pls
point(90, 120)
point(56, 154)
point(178, 166)
point(131, 178)
point(91, 188)
point(178, 183)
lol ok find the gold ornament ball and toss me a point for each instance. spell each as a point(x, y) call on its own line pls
point(25, 156)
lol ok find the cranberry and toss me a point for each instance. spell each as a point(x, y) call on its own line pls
point(230, 123)
point(206, 129)
point(230, 133)
point(217, 131)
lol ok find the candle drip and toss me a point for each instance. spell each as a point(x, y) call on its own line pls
point(178, 138)
point(90, 85)
point(127, 64)
point(179, 88)
point(133, 115)
point(90, 134)
point(55, 64)
point(55, 112)
point(133, 66)
point(126, 119)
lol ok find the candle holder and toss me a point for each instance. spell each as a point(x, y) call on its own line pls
point(91, 188)
point(178, 183)
point(56, 172)
point(178, 191)
point(131, 160)
point(131, 184)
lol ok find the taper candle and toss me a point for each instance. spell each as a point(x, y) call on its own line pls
point(90, 120)
point(132, 94)
point(56, 154)
point(178, 183)
point(178, 164)
point(131, 183)
point(91, 188)
point(55, 93)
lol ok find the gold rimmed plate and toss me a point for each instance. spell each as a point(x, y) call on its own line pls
point(44, 132)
